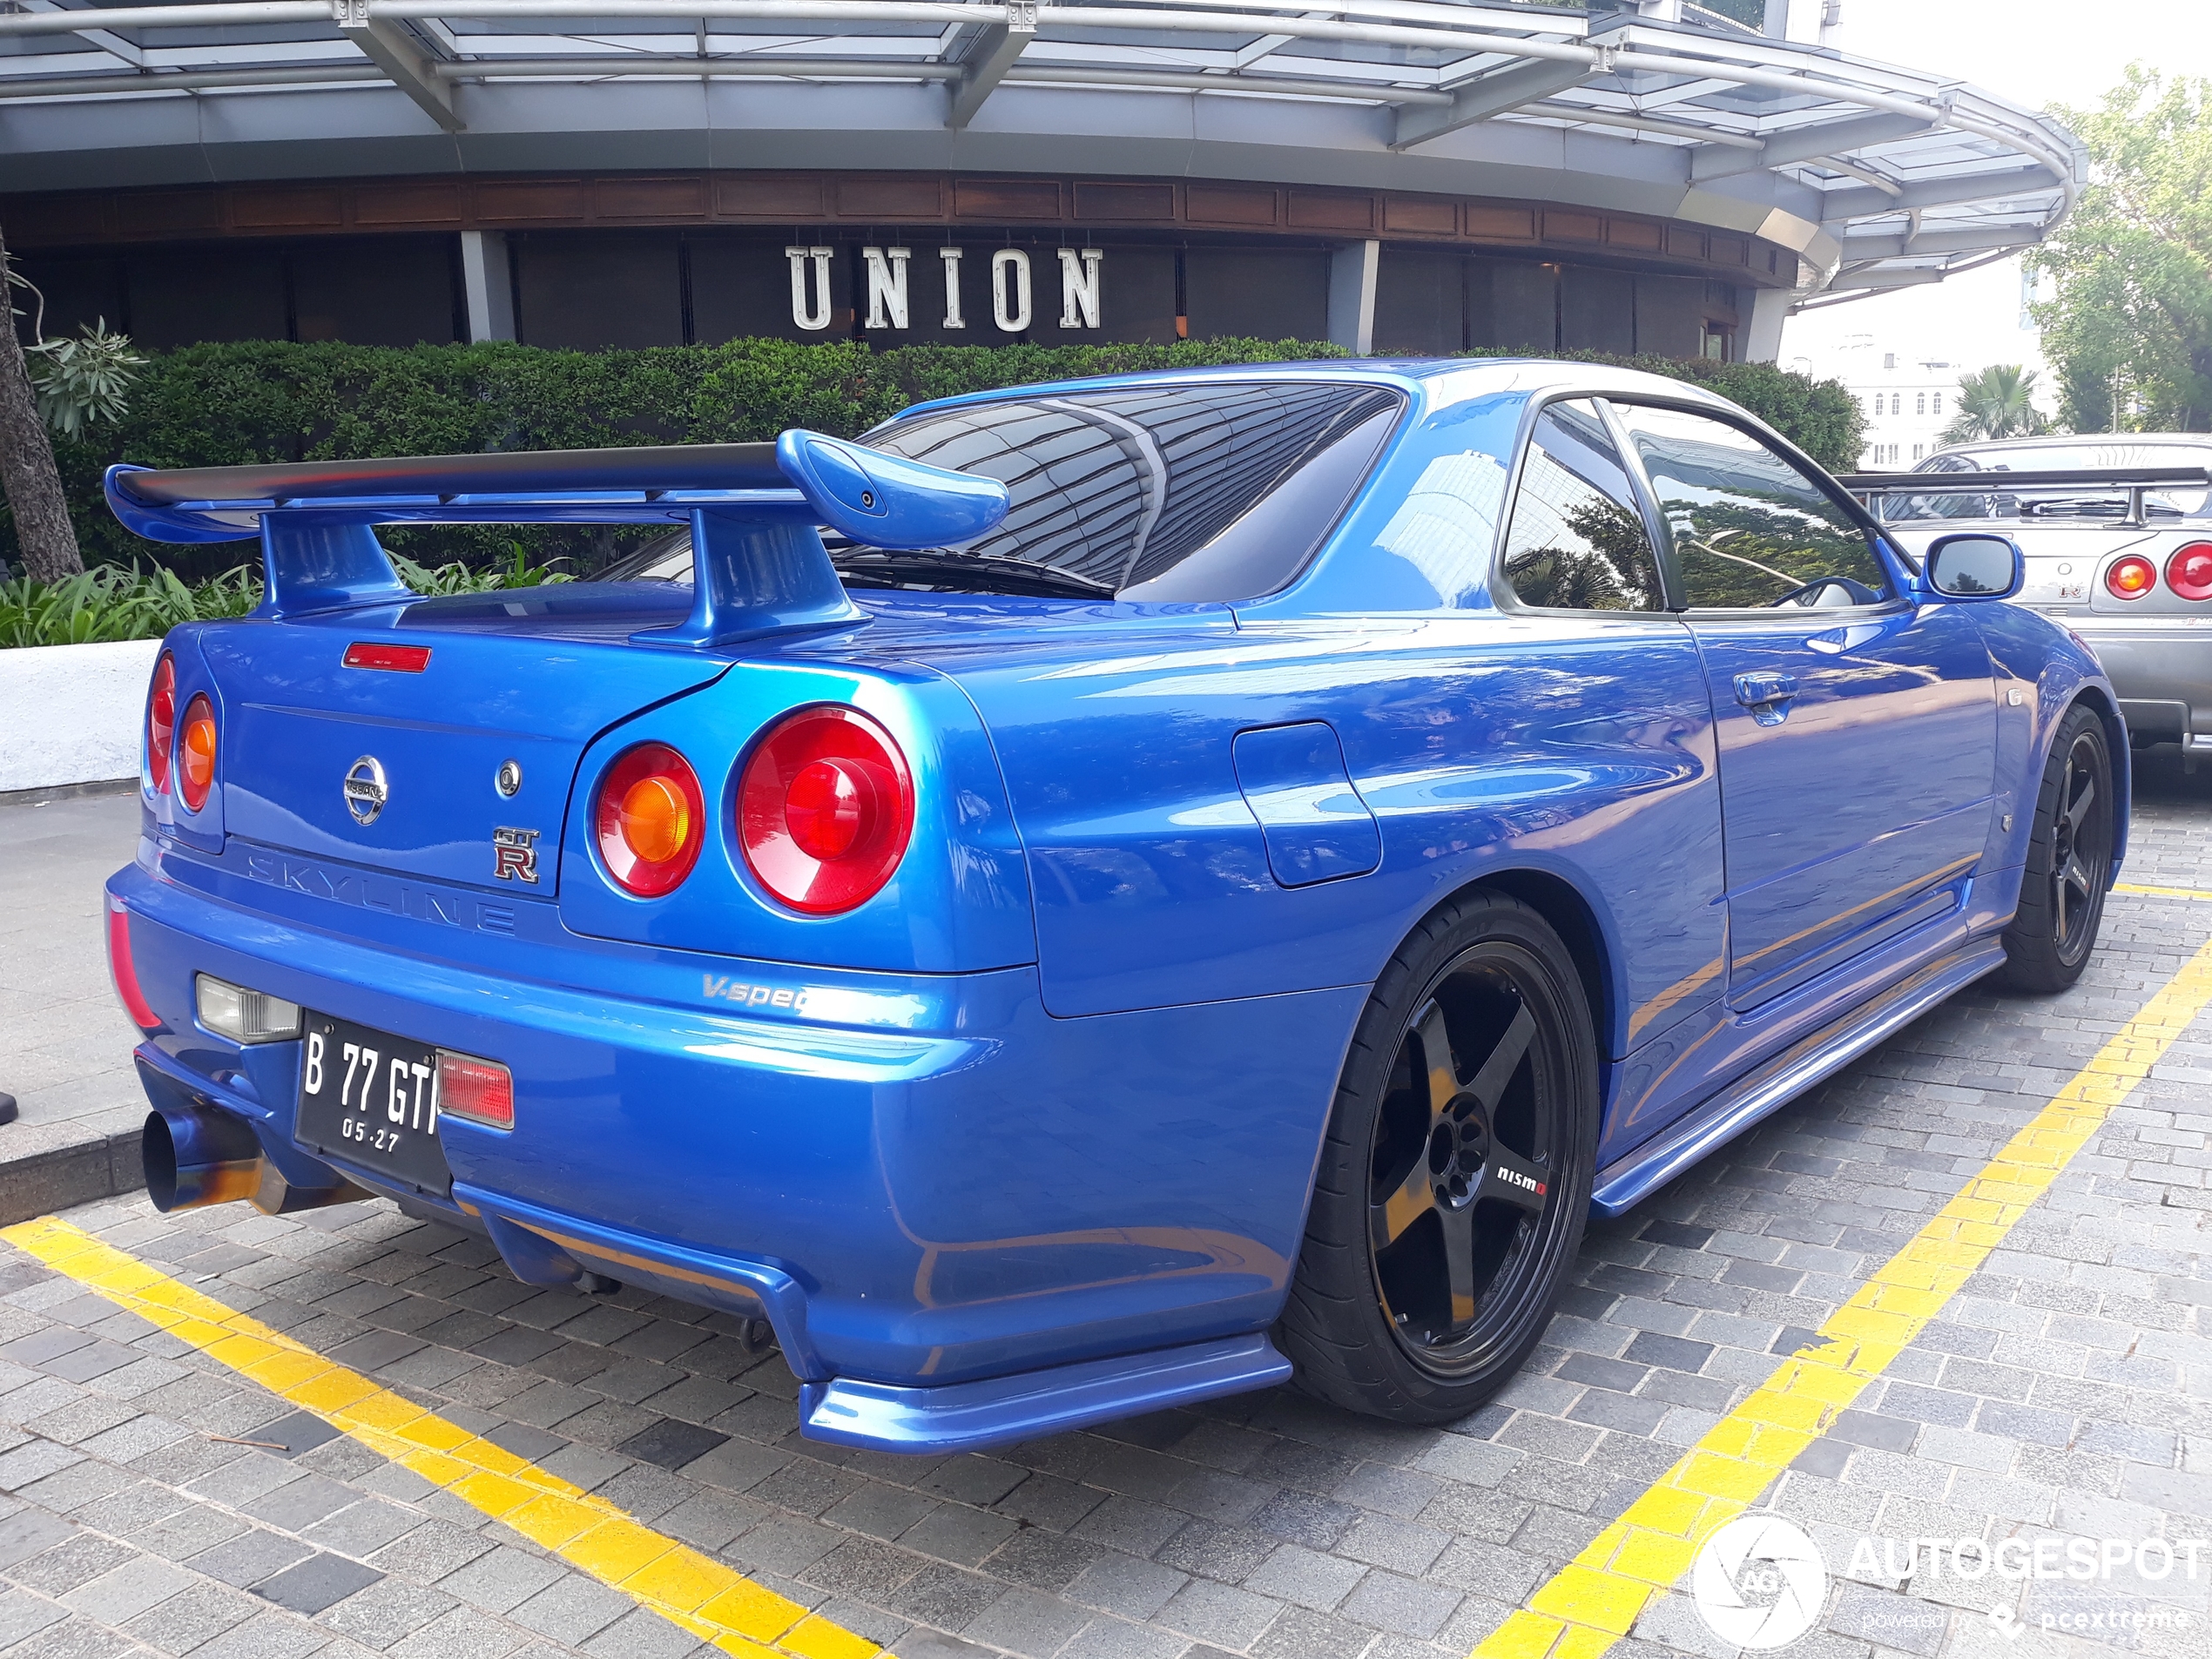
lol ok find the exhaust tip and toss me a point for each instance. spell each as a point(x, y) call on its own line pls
point(193, 1157)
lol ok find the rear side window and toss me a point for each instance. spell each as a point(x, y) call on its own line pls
point(1207, 492)
point(1576, 541)
point(1750, 527)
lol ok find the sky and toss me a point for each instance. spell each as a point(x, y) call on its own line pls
point(2032, 52)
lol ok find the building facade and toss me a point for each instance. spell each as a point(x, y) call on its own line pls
point(1638, 175)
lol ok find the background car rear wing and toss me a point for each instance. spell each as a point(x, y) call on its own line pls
point(758, 562)
point(2135, 482)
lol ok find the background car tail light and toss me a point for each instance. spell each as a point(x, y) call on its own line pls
point(483, 1091)
point(652, 819)
point(2131, 577)
point(825, 810)
point(2189, 571)
point(196, 752)
point(124, 971)
point(161, 721)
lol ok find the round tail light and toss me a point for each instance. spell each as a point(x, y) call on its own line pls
point(652, 819)
point(161, 721)
point(2189, 571)
point(825, 810)
point(2131, 577)
point(196, 753)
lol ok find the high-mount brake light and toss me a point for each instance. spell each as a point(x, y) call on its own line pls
point(399, 659)
point(196, 753)
point(651, 820)
point(2189, 571)
point(161, 721)
point(2131, 577)
point(825, 810)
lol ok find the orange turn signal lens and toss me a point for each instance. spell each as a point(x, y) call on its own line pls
point(2131, 577)
point(196, 753)
point(651, 820)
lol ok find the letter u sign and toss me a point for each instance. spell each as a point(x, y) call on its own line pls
point(814, 315)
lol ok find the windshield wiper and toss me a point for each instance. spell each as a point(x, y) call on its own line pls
point(944, 570)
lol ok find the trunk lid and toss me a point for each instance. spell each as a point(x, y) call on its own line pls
point(529, 677)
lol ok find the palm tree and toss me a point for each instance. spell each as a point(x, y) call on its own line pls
point(1995, 402)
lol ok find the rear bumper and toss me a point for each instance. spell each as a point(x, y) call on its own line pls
point(922, 1182)
point(2161, 668)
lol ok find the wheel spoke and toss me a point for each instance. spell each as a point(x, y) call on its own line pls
point(2079, 807)
point(1438, 1064)
point(1497, 1071)
point(1511, 1180)
point(1413, 1198)
point(1458, 1256)
point(2076, 875)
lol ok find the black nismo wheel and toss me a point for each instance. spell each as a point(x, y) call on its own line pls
point(2069, 860)
point(1456, 1176)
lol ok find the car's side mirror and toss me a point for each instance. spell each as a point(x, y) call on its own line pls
point(1975, 566)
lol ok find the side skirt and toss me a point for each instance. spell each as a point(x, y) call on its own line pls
point(1630, 1180)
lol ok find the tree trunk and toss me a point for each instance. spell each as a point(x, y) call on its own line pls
point(27, 469)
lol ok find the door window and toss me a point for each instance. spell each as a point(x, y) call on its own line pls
point(1749, 528)
point(1576, 541)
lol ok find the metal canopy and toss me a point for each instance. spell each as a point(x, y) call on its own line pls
point(1878, 176)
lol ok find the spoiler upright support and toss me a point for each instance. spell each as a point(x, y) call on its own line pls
point(758, 564)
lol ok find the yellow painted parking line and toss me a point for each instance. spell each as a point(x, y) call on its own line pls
point(2161, 893)
point(1594, 1600)
point(711, 1600)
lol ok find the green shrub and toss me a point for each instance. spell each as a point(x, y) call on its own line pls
point(263, 401)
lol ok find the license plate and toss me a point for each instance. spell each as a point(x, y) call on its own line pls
point(371, 1099)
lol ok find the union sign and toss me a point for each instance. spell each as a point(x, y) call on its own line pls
point(1009, 278)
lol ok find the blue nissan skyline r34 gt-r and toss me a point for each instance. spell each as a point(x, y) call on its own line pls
point(1099, 895)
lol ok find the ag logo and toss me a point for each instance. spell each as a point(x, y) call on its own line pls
point(365, 789)
point(1759, 1583)
point(514, 854)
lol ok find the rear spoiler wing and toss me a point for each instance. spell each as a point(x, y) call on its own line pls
point(758, 564)
point(2135, 481)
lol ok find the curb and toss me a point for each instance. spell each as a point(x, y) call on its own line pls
point(48, 1167)
point(68, 792)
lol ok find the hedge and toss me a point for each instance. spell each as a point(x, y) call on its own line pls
point(219, 405)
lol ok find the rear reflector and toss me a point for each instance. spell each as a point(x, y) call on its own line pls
point(242, 1015)
point(124, 971)
point(480, 1092)
point(399, 659)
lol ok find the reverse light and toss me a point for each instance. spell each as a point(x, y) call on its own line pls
point(196, 753)
point(2189, 571)
point(124, 971)
point(161, 721)
point(242, 1015)
point(480, 1092)
point(825, 810)
point(398, 659)
point(651, 819)
point(2131, 577)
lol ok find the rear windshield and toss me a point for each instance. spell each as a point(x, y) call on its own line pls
point(1219, 491)
point(2075, 501)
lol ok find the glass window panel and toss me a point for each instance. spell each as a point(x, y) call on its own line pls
point(1749, 527)
point(1576, 541)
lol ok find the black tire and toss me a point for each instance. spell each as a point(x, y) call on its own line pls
point(2069, 860)
point(1417, 1174)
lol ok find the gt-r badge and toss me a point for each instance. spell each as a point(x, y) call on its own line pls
point(366, 792)
point(514, 854)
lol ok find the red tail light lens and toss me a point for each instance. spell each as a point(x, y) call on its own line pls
point(652, 819)
point(196, 753)
point(124, 971)
point(825, 810)
point(2189, 571)
point(2131, 577)
point(481, 1091)
point(161, 721)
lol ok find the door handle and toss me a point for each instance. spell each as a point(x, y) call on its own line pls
point(1767, 694)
